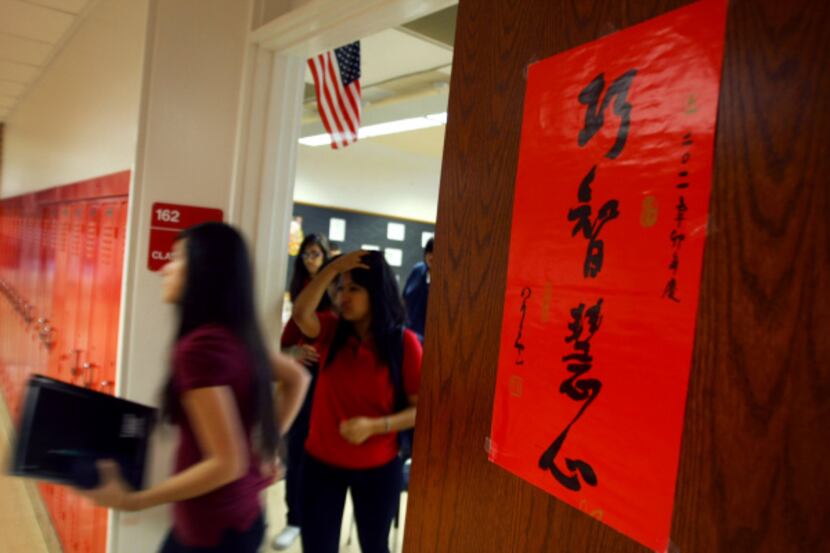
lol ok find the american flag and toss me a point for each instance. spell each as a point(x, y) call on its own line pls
point(337, 83)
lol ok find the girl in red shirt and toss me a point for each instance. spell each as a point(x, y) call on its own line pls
point(219, 393)
point(352, 441)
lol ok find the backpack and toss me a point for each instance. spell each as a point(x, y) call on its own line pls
point(405, 437)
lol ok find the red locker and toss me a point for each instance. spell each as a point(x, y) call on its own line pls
point(57, 354)
point(61, 258)
point(71, 356)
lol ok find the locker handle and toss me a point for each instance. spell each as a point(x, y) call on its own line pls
point(76, 370)
point(47, 335)
point(29, 312)
point(89, 368)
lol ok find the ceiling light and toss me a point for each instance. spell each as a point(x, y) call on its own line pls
point(391, 127)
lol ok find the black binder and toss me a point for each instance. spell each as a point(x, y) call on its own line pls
point(65, 429)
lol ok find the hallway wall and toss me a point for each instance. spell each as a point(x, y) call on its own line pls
point(80, 119)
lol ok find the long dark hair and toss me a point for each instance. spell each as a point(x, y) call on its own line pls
point(219, 290)
point(385, 305)
point(301, 276)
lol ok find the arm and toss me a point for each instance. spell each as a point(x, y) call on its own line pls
point(304, 312)
point(414, 274)
point(215, 421)
point(359, 429)
point(293, 382)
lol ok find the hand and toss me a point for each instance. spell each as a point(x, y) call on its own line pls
point(305, 354)
point(358, 429)
point(113, 491)
point(349, 261)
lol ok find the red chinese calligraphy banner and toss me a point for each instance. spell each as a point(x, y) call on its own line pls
point(609, 225)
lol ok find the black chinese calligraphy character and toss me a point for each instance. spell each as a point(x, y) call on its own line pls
point(518, 344)
point(675, 262)
point(584, 390)
point(677, 238)
point(595, 116)
point(594, 316)
point(670, 291)
point(580, 363)
point(590, 229)
point(681, 210)
point(576, 467)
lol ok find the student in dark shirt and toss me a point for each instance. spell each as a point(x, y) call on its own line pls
point(352, 440)
point(219, 393)
point(416, 292)
point(313, 254)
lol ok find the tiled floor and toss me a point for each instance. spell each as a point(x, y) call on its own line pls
point(21, 533)
point(19, 529)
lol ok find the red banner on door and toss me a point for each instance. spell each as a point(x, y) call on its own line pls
point(609, 224)
point(168, 220)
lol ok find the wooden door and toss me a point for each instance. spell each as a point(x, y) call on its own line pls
point(754, 472)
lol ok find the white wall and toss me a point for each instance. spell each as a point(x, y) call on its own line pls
point(190, 104)
point(80, 118)
point(370, 176)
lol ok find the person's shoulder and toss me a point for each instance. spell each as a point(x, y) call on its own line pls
point(208, 335)
point(328, 325)
point(410, 339)
point(327, 317)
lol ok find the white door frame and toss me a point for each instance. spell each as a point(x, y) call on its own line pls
point(270, 120)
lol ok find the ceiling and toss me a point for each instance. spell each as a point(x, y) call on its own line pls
point(405, 70)
point(32, 32)
point(405, 73)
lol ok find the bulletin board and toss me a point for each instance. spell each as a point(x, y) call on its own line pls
point(400, 239)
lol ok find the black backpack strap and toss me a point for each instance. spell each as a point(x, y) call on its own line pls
point(401, 401)
point(396, 368)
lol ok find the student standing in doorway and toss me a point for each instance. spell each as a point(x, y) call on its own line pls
point(416, 292)
point(352, 441)
point(313, 254)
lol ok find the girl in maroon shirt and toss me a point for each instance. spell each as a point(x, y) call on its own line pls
point(219, 392)
point(352, 441)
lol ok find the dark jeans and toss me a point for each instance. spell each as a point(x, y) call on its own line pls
point(232, 542)
point(295, 440)
point(376, 493)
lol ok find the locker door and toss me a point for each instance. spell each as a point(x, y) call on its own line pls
point(81, 517)
point(27, 287)
point(71, 355)
point(60, 357)
point(50, 224)
point(88, 277)
point(113, 290)
point(92, 328)
point(60, 347)
point(108, 293)
point(47, 282)
point(43, 297)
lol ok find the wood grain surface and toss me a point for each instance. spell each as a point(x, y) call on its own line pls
point(755, 462)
